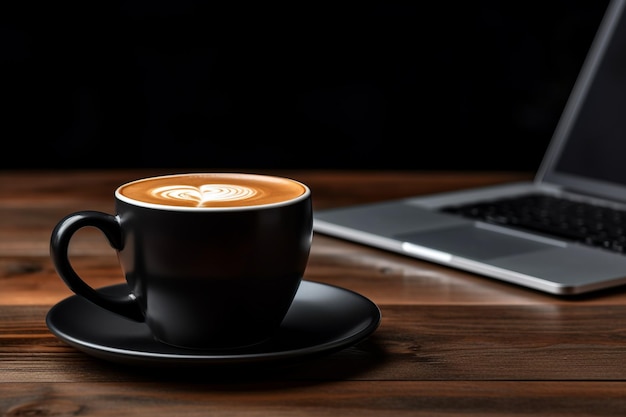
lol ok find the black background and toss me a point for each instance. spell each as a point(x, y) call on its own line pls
point(200, 85)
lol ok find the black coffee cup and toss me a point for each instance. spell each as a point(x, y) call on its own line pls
point(212, 260)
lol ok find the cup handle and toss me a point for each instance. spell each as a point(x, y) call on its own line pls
point(126, 306)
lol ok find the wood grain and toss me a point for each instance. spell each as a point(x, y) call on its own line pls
point(450, 343)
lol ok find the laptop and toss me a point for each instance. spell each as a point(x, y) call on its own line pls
point(526, 240)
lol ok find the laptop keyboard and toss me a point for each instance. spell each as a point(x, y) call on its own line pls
point(557, 217)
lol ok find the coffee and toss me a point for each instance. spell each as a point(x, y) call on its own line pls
point(208, 190)
point(211, 260)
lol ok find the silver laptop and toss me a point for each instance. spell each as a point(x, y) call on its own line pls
point(559, 233)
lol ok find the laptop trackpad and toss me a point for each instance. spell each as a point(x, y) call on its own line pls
point(473, 243)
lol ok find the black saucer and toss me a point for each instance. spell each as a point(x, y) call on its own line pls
point(321, 320)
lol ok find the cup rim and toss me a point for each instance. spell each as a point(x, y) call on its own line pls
point(134, 202)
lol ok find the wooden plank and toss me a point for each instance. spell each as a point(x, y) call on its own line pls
point(412, 343)
point(308, 398)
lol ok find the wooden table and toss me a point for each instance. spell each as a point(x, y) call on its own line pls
point(449, 343)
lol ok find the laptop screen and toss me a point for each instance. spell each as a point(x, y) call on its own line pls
point(588, 148)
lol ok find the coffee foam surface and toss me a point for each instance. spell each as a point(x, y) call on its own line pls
point(211, 190)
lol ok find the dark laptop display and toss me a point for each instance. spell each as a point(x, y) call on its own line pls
point(590, 143)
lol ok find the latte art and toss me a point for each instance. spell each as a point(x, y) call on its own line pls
point(205, 193)
point(202, 191)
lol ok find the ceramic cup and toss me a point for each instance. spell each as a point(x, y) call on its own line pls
point(212, 260)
